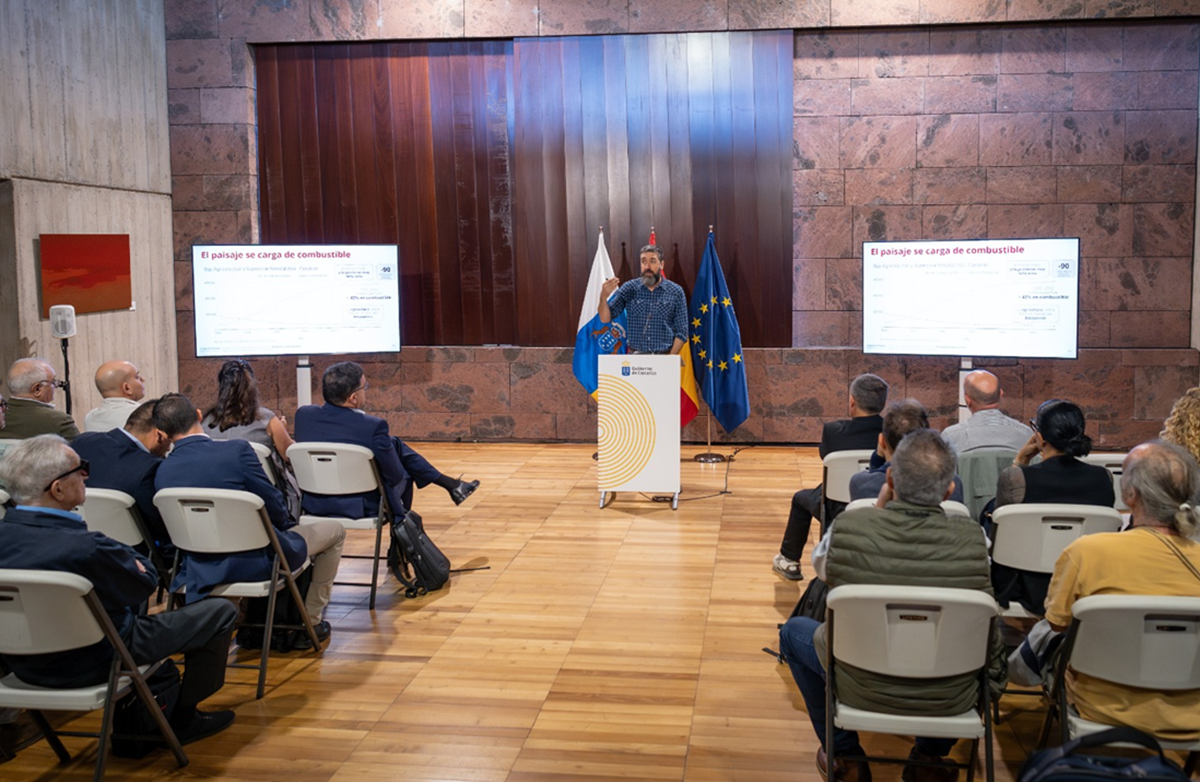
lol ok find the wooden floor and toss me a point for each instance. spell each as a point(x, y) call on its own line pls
point(622, 643)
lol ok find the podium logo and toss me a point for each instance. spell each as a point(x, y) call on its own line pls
point(626, 432)
point(626, 369)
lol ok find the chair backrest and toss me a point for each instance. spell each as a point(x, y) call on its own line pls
point(911, 632)
point(1030, 537)
point(839, 467)
point(980, 469)
point(333, 468)
point(1143, 641)
point(4, 498)
point(214, 521)
point(45, 611)
point(1115, 464)
point(264, 458)
point(112, 513)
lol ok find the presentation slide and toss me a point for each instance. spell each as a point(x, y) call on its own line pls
point(995, 297)
point(270, 300)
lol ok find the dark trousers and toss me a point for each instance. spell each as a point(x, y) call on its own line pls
point(796, 645)
point(201, 632)
point(806, 503)
point(419, 470)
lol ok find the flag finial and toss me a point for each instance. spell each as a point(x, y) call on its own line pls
point(652, 241)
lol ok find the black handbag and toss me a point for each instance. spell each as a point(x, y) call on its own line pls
point(812, 602)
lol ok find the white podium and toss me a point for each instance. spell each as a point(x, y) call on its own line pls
point(638, 425)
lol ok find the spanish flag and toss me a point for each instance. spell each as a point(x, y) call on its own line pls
point(689, 400)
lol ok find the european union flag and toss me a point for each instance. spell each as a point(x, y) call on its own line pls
point(717, 344)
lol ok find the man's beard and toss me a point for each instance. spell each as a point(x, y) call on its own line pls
point(651, 278)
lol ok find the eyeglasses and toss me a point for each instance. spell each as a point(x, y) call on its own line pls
point(1033, 425)
point(83, 468)
point(363, 387)
point(55, 383)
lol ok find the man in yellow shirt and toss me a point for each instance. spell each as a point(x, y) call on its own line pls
point(1160, 483)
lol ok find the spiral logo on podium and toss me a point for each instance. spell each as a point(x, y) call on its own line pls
point(626, 431)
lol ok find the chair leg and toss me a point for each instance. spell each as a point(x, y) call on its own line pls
point(375, 564)
point(106, 721)
point(268, 632)
point(308, 625)
point(973, 760)
point(50, 735)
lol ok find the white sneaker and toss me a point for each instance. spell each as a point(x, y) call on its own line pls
point(787, 568)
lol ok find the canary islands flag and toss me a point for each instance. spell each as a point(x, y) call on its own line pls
point(594, 337)
point(716, 344)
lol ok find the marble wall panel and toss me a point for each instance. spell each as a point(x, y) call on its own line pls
point(424, 19)
point(887, 96)
point(960, 94)
point(964, 51)
point(808, 283)
point(1158, 183)
point(823, 232)
point(1033, 49)
point(1149, 329)
point(878, 142)
point(820, 329)
point(1022, 185)
point(1158, 137)
point(190, 19)
point(1162, 229)
point(954, 222)
point(500, 18)
point(1162, 47)
point(1094, 48)
point(1016, 139)
point(819, 187)
point(878, 186)
point(822, 96)
point(1089, 184)
point(583, 17)
point(1103, 229)
point(815, 142)
point(843, 284)
point(1105, 91)
point(893, 54)
point(1167, 90)
point(1088, 137)
point(1036, 221)
point(1033, 92)
point(948, 140)
point(949, 185)
point(270, 21)
point(826, 55)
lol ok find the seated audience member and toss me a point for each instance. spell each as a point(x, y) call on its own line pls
point(987, 427)
point(1182, 427)
point(31, 384)
point(122, 388)
point(899, 419)
point(46, 479)
point(342, 420)
point(868, 395)
point(198, 461)
point(237, 415)
point(126, 459)
point(1158, 555)
point(905, 540)
point(1058, 435)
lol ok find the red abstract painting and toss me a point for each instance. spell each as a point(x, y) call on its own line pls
point(88, 271)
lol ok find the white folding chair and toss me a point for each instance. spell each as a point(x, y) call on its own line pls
point(1115, 464)
point(838, 468)
point(910, 633)
point(223, 521)
point(115, 514)
point(42, 612)
point(1144, 642)
point(264, 458)
point(341, 468)
point(980, 469)
point(1031, 537)
point(951, 507)
point(4, 498)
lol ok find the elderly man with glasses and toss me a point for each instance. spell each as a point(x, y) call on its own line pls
point(31, 411)
point(46, 480)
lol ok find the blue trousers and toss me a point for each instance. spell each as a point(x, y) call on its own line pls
point(796, 645)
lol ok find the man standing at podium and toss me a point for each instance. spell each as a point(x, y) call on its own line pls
point(656, 307)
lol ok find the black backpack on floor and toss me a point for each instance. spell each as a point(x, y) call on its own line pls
point(286, 613)
point(413, 559)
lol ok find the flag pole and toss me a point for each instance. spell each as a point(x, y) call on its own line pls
point(708, 457)
point(596, 453)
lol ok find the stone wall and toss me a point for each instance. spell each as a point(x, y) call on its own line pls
point(916, 131)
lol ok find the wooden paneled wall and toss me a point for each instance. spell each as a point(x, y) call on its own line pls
point(83, 149)
point(677, 131)
point(405, 144)
point(492, 165)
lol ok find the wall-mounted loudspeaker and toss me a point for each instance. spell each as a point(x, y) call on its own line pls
point(62, 321)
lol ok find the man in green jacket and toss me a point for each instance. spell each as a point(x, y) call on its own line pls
point(31, 408)
point(907, 540)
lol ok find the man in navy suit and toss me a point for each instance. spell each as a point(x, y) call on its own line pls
point(341, 420)
point(127, 460)
point(198, 461)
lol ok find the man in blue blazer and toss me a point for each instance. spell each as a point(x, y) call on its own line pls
point(341, 420)
point(127, 460)
point(198, 461)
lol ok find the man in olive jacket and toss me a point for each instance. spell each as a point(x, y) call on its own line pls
point(906, 540)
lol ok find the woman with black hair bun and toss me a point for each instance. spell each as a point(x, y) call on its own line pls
point(1059, 438)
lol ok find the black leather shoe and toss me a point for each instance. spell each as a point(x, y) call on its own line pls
point(304, 643)
point(203, 724)
point(463, 490)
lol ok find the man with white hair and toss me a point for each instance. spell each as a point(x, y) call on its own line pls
point(31, 383)
point(122, 388)
point(46, 480)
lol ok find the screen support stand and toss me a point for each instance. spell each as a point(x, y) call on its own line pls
point(303, 381)
point(964, 368)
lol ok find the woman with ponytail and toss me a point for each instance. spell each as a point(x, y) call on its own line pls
point(1059, 438)
point(1157, 555)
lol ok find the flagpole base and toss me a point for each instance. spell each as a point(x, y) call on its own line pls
point(708, 457)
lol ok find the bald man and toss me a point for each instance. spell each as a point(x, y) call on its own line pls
point(987, 427)
point(31, 411)
point(122, 387)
